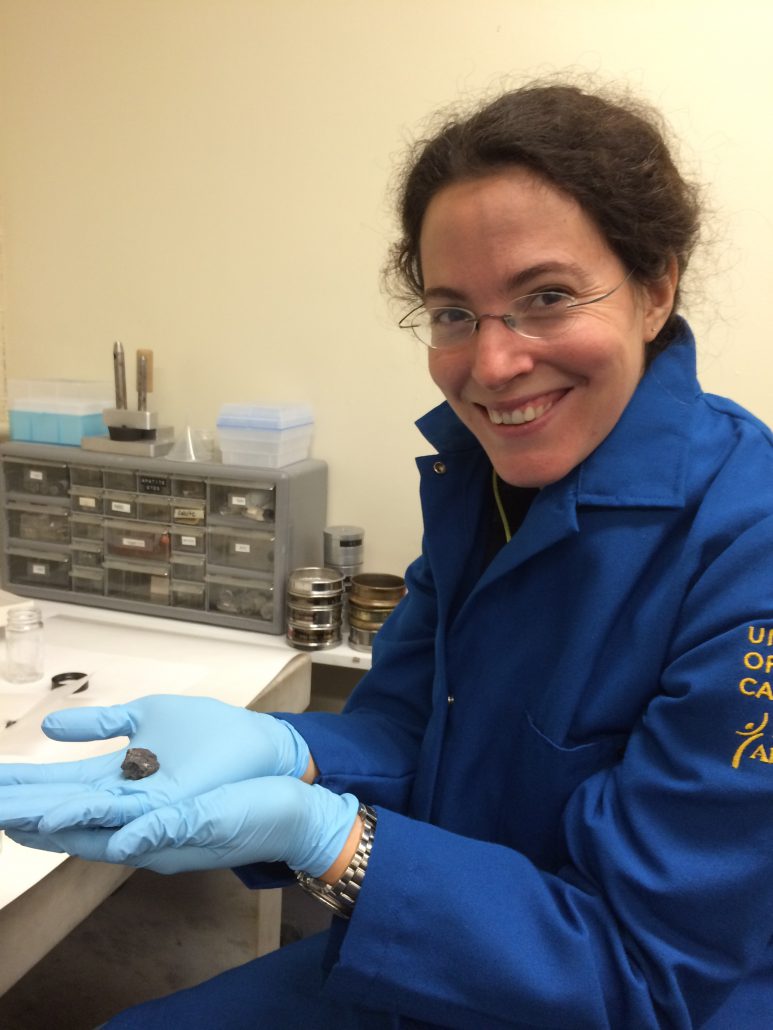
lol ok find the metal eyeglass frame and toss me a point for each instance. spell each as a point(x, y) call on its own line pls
point(507, 318)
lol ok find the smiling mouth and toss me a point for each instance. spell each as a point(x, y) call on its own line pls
point(518, 416)
point(526, 413)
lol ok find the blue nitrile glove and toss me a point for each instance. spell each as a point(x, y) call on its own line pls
point(200, 744)
point(271, 819)
point(90, 844)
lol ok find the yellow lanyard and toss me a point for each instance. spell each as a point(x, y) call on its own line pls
point(500, 507)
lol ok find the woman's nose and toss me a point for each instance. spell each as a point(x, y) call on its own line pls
point(500, 354)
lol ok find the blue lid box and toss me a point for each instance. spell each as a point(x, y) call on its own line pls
point(264, 436)
point(257, 416)
point(57, 410)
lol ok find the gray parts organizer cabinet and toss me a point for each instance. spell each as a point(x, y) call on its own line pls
point(203, 542)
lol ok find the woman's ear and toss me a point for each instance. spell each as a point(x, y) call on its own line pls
point(659, 299)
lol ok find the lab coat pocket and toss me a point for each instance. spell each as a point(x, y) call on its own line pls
point(544, 777)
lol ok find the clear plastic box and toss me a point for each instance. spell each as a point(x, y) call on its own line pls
point(264, 437)
point(264, 417)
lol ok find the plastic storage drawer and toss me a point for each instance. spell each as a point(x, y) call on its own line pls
point(86, 527)
point(188, 595)
point(119, 505)
point(191, 569)
point(87, 500)
point(153, 509)
point(39, 568)
point(243, 502)
point(195, 541)
point(137, 541)
point(243, 597)
point(148, 583)
point(37, 477)
point(88, 581)
point(188, 540)
point(188, 512)
point(250, 551)
point(87, 555)
point(38, 523)
point(123, 480)
point(86, 475)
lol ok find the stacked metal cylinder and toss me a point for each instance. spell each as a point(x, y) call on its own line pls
point(315, 598)
point(324, 600)
point(344, 549)
point(373, 596)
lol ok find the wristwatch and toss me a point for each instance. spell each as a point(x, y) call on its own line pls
point(342, 895)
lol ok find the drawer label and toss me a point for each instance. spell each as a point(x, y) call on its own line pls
point(241, 501)
point(188, 541)
point(35, 474)
point(188, 514)
point(242, 548)
point(128, 541)
point(87, 502)
point(38, 570)
point(121, 506)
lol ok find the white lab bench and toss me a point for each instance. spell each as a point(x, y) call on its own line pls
point(43, 895)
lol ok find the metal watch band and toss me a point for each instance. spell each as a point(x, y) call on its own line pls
point(342, 895)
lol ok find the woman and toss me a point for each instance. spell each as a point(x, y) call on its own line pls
point(564, 734)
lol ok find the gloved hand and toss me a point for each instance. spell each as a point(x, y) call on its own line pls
point(271, 819)
point(90, 844)
point(200, 743)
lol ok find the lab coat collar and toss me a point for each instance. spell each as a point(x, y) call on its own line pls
point(644, 460)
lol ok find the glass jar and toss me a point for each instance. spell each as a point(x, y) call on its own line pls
point(24, 645)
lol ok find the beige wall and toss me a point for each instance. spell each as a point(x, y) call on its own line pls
point(209, 178)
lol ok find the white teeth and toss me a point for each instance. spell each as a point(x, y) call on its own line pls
point(519, 415)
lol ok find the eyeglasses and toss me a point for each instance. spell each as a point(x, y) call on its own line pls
point(537, 316)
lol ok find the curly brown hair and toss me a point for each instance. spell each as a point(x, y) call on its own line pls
point(610, 153)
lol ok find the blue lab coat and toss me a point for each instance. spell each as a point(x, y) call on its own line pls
point(569, 753)
point(584, 836)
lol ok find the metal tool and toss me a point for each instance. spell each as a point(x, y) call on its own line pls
point(135, 433)
point(144, 378)
point(119, 371)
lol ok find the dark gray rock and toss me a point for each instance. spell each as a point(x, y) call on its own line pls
point(139, 763)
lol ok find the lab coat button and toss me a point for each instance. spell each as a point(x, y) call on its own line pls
point(439, 467)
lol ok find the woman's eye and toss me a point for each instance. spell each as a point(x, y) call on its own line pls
point(544, 304)
point(549, 299)
point(448, 316)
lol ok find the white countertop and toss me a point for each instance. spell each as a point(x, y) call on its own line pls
point(125, 656)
